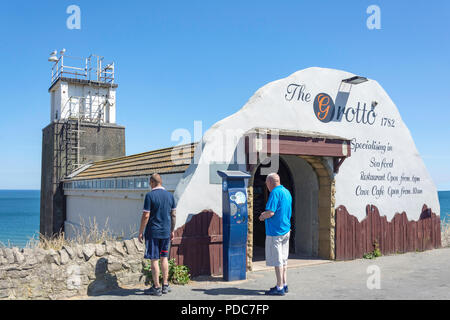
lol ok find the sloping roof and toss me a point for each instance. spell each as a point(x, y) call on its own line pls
point(157, 161)
point(296, 133)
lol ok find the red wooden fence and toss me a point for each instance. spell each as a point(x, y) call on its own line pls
point(198, 244)
point(354, 238)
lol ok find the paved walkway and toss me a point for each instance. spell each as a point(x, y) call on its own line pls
point(294, 262)
point(424, 275)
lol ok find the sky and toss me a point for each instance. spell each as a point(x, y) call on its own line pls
point(183, 61)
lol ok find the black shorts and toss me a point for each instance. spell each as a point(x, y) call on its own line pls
point(156, 248)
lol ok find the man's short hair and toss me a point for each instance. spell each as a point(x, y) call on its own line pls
point(156, 178)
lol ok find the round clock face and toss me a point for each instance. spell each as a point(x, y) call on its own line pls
point(239, 197)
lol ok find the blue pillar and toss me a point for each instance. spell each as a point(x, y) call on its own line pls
point(235, 224)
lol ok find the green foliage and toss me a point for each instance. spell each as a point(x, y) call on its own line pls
point(369, 255)
point(375, 253)
point(178, 274)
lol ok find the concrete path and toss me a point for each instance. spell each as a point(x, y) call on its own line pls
point(294, 262)
point(424, 275)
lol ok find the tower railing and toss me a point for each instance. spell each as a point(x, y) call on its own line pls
point(91, 68)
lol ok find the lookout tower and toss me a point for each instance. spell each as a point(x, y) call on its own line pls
point(82, 128)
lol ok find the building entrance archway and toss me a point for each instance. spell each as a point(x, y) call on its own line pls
point(260, 197)
point(308, 166)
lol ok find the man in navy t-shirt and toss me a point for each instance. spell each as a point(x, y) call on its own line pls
point(157, 227)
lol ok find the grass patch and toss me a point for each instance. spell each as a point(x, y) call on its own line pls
point(86, 233)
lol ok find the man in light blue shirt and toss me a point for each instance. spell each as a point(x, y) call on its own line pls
point(277, 218)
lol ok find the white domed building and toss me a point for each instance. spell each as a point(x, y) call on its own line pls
point(339, 145)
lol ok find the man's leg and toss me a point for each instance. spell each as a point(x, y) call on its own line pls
point(273, 258)
point(285, 252)
point(152, 253)
point(284, 275)
point(279, 273)
point(155, 272)
point(164, 254)
point(165, 270)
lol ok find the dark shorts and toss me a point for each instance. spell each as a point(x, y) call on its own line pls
point(156, 248)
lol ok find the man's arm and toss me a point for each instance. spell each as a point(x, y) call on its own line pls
point(173, 219)
point(271, 207)
point(144, 221)
point(145, 216)
point(266, 215)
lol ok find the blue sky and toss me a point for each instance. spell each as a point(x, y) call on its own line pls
point(182, 61)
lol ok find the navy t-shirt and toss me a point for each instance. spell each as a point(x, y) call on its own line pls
point(159, 203)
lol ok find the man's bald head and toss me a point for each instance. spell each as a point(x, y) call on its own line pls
point(272, 181)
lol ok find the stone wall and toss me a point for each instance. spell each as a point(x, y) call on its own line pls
point(72, 271)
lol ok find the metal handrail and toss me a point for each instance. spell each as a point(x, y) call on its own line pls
point(92, 66)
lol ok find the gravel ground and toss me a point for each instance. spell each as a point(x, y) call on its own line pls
point(422, 275)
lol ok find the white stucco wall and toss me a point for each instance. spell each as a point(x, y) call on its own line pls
point(94, 99)
point(270, 107)
point(119, 211)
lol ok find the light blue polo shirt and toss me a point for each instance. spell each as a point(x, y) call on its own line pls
point(280, 202)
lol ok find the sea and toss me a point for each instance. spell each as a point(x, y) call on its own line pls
point(19, 215)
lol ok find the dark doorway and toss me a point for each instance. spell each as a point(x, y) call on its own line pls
point(260, 197)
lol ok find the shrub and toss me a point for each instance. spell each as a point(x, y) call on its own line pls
point(178, 274)
point(375, 253)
